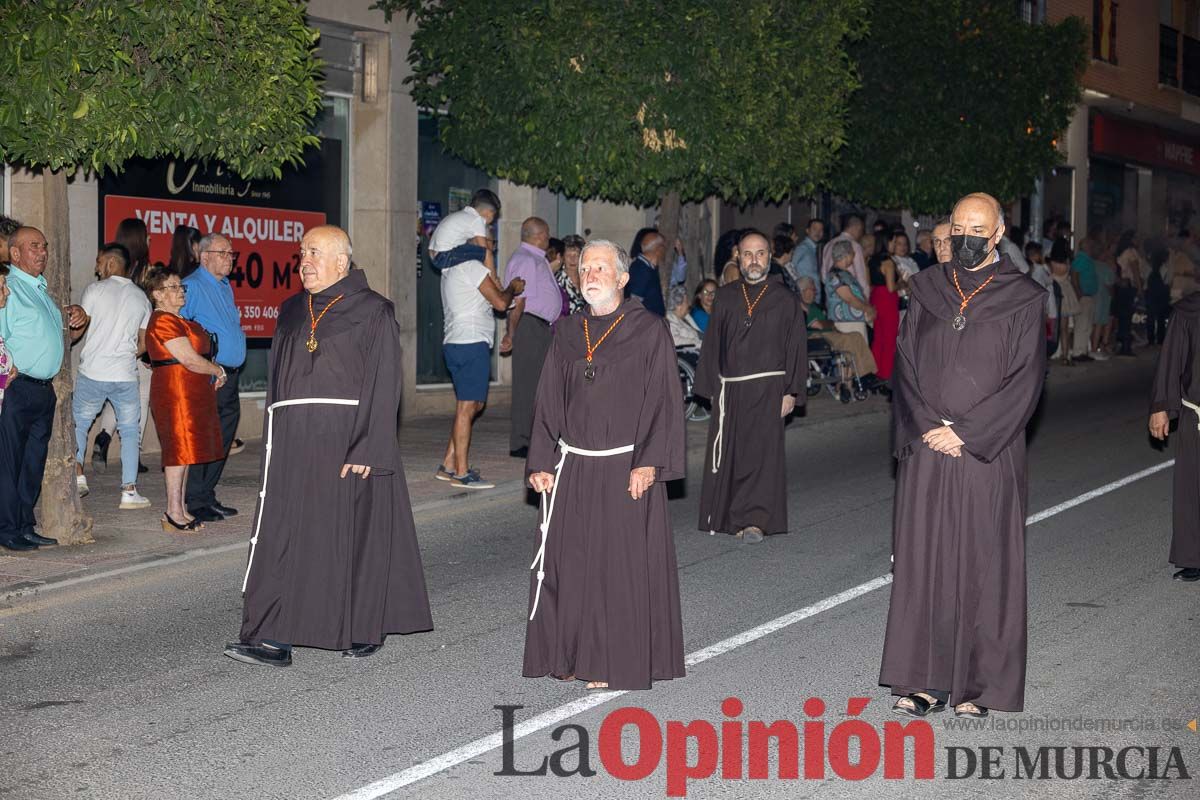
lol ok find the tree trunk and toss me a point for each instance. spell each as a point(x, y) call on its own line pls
point(60, 512)
point(668, 226)
point(695, 229)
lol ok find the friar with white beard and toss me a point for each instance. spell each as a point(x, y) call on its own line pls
point(608, 431)
point(754, 366)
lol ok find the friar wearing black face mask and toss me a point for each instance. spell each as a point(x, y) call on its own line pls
point(970, 360)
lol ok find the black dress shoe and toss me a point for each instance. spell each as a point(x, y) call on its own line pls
point(100, 451)
point(362, 650)
point(17, 543)
point(206, 514)
point(1188, 574)
point(40, 541)
point(520, 452)
point(142, 468)
point(224, 510)
point(261, 655)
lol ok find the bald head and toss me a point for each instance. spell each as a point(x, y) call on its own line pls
point(536, 232)
point(27, 250)
point(976, 226)
point(324, 257)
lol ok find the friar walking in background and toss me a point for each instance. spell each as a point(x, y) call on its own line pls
point(754, 366)
point(1176, 395)
point(334, 561)
point(970, 362)
point(608, 431)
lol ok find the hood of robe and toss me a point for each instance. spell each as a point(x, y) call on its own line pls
point(1009, 292)
point(1188, 304)
point(354, 282)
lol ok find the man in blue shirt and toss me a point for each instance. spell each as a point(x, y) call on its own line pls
point(210, 303)
point(31, 325)
point(649, 247)
point(804, 258)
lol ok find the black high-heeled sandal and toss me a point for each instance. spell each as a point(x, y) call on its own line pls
point(169, 525)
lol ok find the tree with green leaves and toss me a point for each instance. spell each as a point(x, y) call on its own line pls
point(957, 96)
point(664, 102)
point(88, 84)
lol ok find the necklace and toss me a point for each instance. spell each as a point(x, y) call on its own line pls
point(750, 306)
point(589, 371)
point(311, 344)
point(960, 321)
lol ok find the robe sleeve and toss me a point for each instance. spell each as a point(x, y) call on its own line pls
point(1167, 393)
point(912, 417)
point(994, 422)
point(374, 438)
point(659, 441)
point(549, 410)
point(796, 355)
point(708, 372)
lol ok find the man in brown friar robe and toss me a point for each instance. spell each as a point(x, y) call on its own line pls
point(1176, 395)
point(607, 432)
point(333, 560)
point(970, 361)
point(754, 368)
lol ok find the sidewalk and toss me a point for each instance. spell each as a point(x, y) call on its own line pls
point(126, 539)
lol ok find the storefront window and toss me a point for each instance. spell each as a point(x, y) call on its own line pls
point(333, 125)
point(444, 185)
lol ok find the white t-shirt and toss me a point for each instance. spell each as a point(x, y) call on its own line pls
point(456, 229)
point(467, 312)
point(119, 309)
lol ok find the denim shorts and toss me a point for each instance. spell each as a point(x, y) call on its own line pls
point(456, 256)
point(470, 368)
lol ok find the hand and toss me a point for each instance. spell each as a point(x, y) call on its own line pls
point(357, 469)
point(789, 405)
point(640, 480)
point(870, 314)
point(516, 286)
point(76, 317)
point(541, 482)
point(1159, 424)
point(506, 345)
point(220, 379)
point(944, 440)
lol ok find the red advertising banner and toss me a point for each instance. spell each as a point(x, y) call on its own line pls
point(267, 242)
point(1144, 144)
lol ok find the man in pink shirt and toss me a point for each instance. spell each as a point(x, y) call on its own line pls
point(529, 320)
point(852, 231)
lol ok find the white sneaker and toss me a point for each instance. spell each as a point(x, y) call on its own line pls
point(131, 500)
point(81, 485)
point(1099, 355)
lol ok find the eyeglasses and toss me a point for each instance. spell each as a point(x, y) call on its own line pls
point(170, 287)
point(709, 292)
point(233, 254)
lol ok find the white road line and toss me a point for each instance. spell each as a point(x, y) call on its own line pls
point(544, 720)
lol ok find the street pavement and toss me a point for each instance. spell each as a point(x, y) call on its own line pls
point(116, 687)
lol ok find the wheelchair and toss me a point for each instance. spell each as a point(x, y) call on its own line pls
point(833, 370)
point(687, 359)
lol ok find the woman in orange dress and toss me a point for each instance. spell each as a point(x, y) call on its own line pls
point(183, 392)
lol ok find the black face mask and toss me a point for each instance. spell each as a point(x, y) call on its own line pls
point(968, 251)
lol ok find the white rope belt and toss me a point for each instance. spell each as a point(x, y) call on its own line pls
point(716, 455)
point(1195, 408)
point(262, 495)
point(539, 561)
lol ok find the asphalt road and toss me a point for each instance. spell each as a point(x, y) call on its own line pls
point(117, 688)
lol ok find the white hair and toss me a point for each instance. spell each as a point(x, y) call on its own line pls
point(622, 257)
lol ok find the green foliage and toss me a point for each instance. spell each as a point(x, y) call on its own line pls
point(958, 96)
point(92, 83)
point(624, 101)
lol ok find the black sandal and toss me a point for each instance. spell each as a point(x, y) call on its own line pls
point(186, 527)
point(921, 706)
point(979, 713)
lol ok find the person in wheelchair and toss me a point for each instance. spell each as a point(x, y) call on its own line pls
point(853, 344)
point(684, 331)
